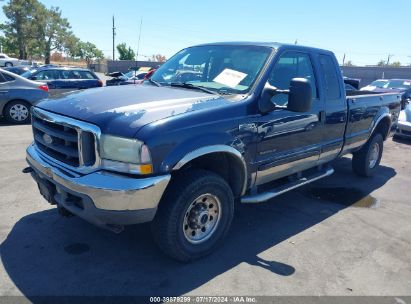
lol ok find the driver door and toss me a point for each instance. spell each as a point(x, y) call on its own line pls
point(289, 142)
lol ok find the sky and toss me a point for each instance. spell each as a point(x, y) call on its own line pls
point(366, 31)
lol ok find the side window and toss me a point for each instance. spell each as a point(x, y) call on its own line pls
point(2, 57)
point(86, 75)
point(291, 65)
point(69, 74)
point(332, 85)
point(75, 75)
point(47, 75)
point(7, 77)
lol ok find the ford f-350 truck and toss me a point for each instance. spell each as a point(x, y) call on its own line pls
point(216, 124)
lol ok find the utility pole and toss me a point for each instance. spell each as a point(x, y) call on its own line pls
point(344, 60)
point(114, 35)
point(296, 41)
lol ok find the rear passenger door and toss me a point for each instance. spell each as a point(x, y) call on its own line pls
point(289, 142)
point(87, 80)
point(70, 80)
point(335, 107)
point(4, 90)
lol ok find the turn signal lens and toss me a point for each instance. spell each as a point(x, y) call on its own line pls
point(146, 169)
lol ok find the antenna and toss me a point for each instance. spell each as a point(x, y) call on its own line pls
point(138, 47)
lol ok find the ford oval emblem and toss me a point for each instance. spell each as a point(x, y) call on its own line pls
point(47, 139)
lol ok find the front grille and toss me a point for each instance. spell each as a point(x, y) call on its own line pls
point(64, 143)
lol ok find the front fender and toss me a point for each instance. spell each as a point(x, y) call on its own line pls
point(184, 152)
point(189, 151)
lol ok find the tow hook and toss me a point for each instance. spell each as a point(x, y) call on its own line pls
point(27, 170)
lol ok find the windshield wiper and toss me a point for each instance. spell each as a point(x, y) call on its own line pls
point(154, 82)
point(187, 85)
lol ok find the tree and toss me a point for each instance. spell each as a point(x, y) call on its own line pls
point(22, 29)
point(349, 63)
point(381, 63)
point(158, 58)
point(396, 64)
point(55, 32)
point(87, 51)
point(125, 53)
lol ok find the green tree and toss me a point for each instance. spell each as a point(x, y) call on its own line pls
point(381, 63)
point(126, 53)
point(55, 31)
point(87, 51)
point(349, 63)
point(396, 64)
point(23, 26)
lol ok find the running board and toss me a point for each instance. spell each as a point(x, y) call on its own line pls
point(265, 196)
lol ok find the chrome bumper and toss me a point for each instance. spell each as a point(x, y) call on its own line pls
point(107, 191)
point(403, 129)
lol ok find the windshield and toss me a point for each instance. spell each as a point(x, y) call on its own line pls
point(28, 73)
point(220, 68)
point(398, 84)
point(378, 83)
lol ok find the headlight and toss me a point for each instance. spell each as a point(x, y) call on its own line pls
point(125, 155)
point(402, 116)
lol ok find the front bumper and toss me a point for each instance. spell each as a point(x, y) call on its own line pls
point(403, 129)
point(102, 198)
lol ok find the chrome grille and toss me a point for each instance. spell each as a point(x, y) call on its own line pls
point(66, 140)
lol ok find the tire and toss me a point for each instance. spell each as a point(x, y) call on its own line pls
point(8, 64)
point(366, 161)
point(183, 210)
point(17, 112)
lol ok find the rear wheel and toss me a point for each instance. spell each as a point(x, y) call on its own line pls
point(9, 64)
point(194, 215)
point(366, 161)
point(17, 112)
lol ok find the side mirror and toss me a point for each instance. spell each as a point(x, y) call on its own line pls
point(265, 104)
point(300, 95)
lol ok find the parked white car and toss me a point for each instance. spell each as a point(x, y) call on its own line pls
point(7, 61)
point(404, 123)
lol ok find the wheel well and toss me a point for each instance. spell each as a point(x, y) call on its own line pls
point(10, 101)
point(228, 166)
point(383, 127)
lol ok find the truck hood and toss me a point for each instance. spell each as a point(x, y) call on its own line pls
point(123, 110)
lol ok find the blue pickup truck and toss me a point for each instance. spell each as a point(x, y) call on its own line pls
point(245, 123)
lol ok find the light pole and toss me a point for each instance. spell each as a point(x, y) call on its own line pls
point(114, 34)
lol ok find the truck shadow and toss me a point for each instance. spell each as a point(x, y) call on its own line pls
point(48, 255)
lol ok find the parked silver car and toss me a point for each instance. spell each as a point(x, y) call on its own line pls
point(17, 95)
point(404, 123)
point(8, 61)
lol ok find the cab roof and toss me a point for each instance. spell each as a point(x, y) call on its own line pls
point(273, 45)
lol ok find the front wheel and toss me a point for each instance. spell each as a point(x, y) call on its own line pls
point(194, 215)
point(8, 64)
point(366, 161)
point(17, 112)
